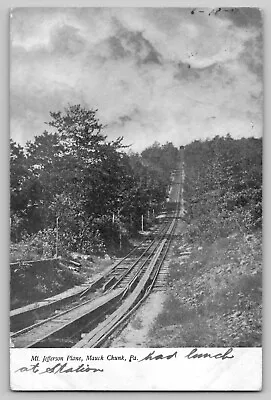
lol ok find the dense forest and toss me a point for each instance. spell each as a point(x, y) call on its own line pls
point(91, 190)
point(223, 187)
point(94, 191)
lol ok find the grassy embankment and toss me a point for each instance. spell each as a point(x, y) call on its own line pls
point(214, 294)
point(30, 283)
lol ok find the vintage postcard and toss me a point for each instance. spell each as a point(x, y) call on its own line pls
point(136, 199)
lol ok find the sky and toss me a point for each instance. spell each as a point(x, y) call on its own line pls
point(154, 74)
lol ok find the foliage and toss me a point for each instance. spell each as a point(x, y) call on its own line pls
point(214, 295)
point(161, 158)
point(36, 246)
point(91, 186)
point(223, 186)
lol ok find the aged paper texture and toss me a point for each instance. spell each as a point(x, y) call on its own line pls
point(136, 199)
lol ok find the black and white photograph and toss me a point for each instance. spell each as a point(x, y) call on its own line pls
point(135, 186)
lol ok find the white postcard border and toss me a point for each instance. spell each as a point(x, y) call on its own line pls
point(124, 369)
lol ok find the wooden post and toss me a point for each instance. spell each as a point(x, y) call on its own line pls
point(113, 218)
point(142, 223)
point(57, 218)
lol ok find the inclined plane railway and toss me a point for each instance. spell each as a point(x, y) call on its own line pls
point(87, 316)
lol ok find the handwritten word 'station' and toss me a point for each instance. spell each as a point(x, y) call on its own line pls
point(58, 369)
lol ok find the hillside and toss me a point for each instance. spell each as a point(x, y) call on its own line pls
point(214, 287)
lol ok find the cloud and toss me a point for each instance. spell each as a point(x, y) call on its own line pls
point(154, 74)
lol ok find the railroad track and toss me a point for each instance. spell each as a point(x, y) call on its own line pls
point(98, 335)
point(36, 314)
point(122, 289)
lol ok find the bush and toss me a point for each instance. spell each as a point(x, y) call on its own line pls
point(34, 247)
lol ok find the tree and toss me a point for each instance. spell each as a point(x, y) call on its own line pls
point(223, 185)
point(18, 189)
point(95, 189)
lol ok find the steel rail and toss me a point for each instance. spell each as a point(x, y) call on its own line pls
point(31, 331)
point(105, 329)
point(50, 304)
point(93, 338)
point(145, 252)
point(30, 336)
point(112, 296)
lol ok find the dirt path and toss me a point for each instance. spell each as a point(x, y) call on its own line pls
point(135, 334)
